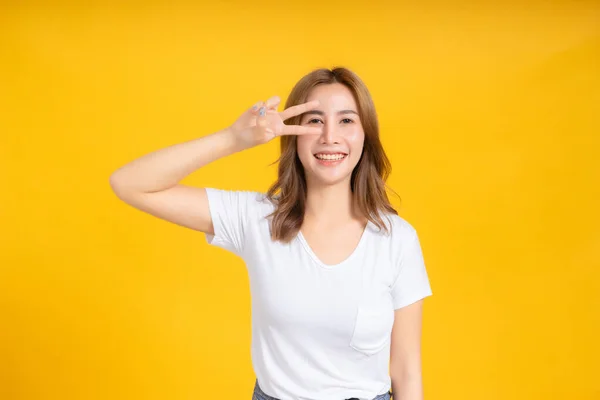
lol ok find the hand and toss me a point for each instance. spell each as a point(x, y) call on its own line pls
point(262, 123)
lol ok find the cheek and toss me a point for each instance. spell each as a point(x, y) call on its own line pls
point(303, 146)
point(356, 140)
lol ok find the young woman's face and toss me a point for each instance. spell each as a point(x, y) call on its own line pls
point(330, 158)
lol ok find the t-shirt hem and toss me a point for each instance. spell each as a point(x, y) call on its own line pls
point(412, 300)
point(216, 241)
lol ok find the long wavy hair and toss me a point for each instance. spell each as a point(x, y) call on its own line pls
point(288, 192)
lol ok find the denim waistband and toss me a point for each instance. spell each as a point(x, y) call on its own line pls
point(260, 395)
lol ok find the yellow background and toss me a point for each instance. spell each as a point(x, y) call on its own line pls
point(489, 112)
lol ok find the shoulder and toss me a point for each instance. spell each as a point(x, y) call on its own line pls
point(400, 230)
point(400, 239)
point(251, 202)
point(261, 202)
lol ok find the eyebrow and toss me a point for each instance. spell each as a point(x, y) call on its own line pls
point(319, 112)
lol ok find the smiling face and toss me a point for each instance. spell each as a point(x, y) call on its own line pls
point(330, 158)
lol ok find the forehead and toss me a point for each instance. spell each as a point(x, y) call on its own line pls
point(334, 96)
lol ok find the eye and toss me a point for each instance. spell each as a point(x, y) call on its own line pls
point(347, 121)
point(310, 121)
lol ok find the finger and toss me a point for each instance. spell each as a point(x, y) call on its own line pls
point(255, 108)
point(261, 121)
point(273, 102)
point(299, 109)
point(300, 130)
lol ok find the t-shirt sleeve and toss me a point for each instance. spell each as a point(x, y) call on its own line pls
point(412, 282)
point(230, 212)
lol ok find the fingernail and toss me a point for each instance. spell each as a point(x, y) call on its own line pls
point(262, 111)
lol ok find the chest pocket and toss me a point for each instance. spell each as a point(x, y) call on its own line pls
point(372, 329)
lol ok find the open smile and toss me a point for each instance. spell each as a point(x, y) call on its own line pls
point(330, 159)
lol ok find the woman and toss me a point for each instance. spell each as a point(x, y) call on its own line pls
point(337, 278)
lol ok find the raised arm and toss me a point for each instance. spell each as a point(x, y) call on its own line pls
point(151, 182)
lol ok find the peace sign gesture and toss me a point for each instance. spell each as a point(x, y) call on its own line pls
point(262, 122)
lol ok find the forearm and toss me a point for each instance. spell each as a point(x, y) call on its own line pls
point(406, 387)
point(166, 167)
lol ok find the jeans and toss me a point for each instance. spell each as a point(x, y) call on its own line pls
point(260, 395)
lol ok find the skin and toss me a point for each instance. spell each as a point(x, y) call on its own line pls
point(405, 353)
point(342, 131)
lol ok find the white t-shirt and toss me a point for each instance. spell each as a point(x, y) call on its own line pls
point(319, 332)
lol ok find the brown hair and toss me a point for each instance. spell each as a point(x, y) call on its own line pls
point(288, 192)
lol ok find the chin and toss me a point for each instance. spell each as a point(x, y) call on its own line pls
point(330, 178)
point(328, 172)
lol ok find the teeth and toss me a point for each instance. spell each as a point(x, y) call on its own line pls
point(330, 156)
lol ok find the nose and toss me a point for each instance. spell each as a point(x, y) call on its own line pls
point(329, 135)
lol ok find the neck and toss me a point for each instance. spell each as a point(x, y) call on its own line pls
point(330, 205)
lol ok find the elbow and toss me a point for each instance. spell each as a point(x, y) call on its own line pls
point(114, 181)
point(406, 377)
point(406, 372)
point(117, 185)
